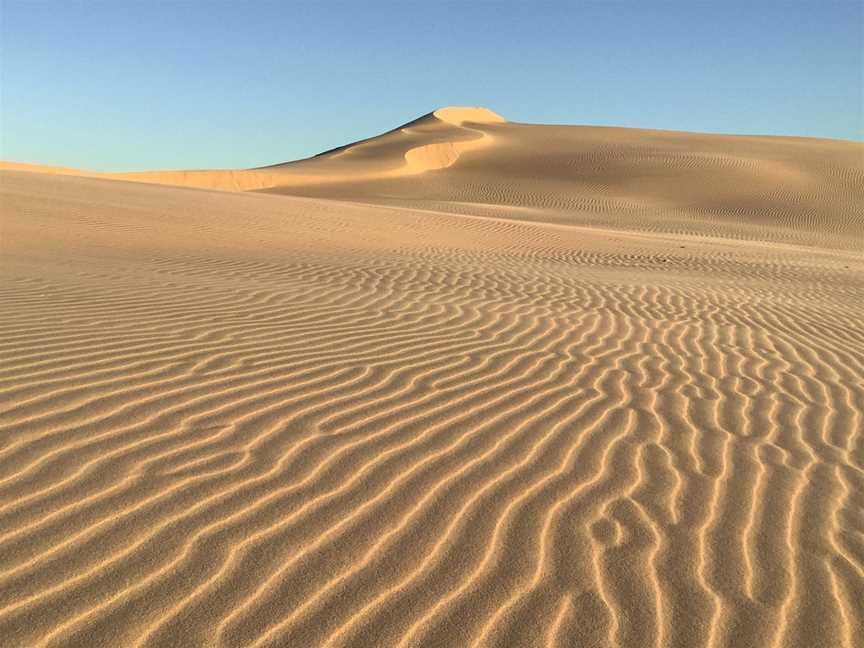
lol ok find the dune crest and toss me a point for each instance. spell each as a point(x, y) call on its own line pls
point(458, 115)
point(439, 154)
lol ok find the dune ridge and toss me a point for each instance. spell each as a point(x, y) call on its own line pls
point(519, 396)
point(414, 160)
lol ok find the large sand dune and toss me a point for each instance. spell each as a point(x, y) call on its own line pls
point(468, 383)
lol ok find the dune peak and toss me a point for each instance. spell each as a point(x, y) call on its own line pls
point(457, 115)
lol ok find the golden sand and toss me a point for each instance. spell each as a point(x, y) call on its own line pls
point(468, 383)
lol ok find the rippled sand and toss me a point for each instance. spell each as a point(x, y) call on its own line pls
point(469, 383)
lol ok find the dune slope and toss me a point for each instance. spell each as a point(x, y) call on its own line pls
point(433, 141)
point(533, 386)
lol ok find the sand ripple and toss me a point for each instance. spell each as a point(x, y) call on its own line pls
point(253, 420)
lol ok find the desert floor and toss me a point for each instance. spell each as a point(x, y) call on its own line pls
point(468, 383)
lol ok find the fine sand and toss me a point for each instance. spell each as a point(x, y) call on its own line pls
point(467, 383)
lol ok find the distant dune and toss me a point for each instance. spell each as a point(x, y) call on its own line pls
point(431, 142)
point(467, 383)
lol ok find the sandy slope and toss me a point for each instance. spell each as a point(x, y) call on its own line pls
point(432, 142)
point(490, 385)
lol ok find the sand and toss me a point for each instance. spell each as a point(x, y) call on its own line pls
point(468, 383)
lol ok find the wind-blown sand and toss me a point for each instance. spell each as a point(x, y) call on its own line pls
point(468, 383)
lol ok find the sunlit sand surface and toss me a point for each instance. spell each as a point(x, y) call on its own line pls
point(467, 383)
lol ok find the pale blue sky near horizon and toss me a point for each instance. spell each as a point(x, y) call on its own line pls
point(154, 84)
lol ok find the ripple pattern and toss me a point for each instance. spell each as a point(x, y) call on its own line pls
point(288, 422)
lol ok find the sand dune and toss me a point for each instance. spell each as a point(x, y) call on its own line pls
point(468, 383)
point(431, 142)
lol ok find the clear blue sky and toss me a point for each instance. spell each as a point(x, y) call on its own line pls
point(149, 84)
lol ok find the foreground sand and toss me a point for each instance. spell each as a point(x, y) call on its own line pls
point(487, 384)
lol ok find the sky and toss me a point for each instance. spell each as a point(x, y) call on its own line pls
point(149, 84)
